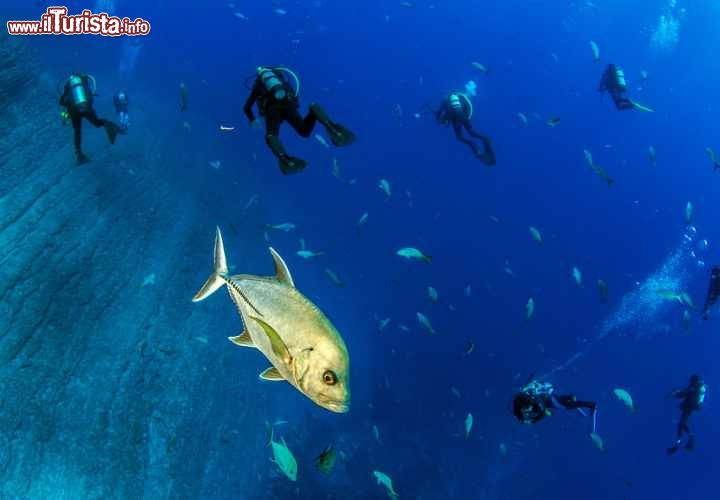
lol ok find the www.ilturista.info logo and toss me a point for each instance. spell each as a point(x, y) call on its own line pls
point(56, 21)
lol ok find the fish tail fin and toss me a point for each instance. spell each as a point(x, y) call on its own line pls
point(428, 259)
point(610, 182)
point(270, 433)
point(220, 271)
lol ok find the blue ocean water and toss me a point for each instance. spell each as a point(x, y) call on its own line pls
point(373, 65)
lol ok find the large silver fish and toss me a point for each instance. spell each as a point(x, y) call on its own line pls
point(302, 345)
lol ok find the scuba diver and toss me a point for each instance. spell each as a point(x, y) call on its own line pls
point(77, 99)
point(713, 292)
point(121, 102)
point(693, 397)
point(535, 401)
point(457, 109)
point(278, 102)
point(613, 82)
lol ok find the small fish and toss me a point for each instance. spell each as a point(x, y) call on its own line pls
point(308, 254)
point(652, 156)
point(468, 425)
point(336, 169)
point(280, 12)
point(376, 433)
point(494, 219)
point(333, 277)
point(240, 16)
point(283, 458)
point(552, 122)
point(523, 118)
point(422, 319)
point(414, 253)
point(508, 270)
point(469, 348)
point(223, 128)
point(455, 392)
point(404, 328)
point(711, 155)
point(503, 450)
point(409, 197)
point(148, 280)
point(588, 157)
point(215, 164)
point(530, 308)
point(595, 51)
point(322, 140)
point(480, 67)
point(602, 173)
point(183, 97)
point(432, 293)
point(202, 339)
point(302, 243)
point(577, 276)
point(186, 126)
point(626, 398)
point(598, 441)
point(643, 75)
point(468, 290)
point(603, 288)
point(287, 226)
point(554, 56)
point(385, 188)
point(535, 233)
point(686, 320)
point(688, 213)
point(251, 201)
point(385, 480)
point(383, 323)
point(362, 221)
point(325, 461)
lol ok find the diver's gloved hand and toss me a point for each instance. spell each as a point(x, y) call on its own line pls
point(255, 124)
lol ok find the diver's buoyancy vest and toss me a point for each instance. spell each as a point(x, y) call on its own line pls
point(78, 92)
point(273, 84)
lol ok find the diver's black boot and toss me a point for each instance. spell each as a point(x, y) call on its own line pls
point(80, 158)
point(339, 135)
point(112, 131)
point(489, 155)
point(288, 164)
point(674, 448)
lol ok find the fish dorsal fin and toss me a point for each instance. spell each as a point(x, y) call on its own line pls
point(272, 374)
point(281, 270)
point(278, 346)
point(242, 340)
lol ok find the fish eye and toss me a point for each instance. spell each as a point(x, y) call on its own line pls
point(329, 377)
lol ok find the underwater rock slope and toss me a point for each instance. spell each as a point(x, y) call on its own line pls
point(111, 384)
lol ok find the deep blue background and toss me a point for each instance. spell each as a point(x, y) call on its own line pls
point(360, 59)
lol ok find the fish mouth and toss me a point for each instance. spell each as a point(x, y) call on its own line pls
point(335, 406)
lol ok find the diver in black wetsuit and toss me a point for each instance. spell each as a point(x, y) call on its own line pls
point(613, 82)
point(457, 110)
point(534, 402)
point(278, 102)
point(713, 292)
point(693, 397)
point(77, 98)
point(121, 103)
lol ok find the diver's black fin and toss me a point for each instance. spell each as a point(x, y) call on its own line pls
point(81, 159)
point(112, 130)
point(339, 135)
point(290, 165)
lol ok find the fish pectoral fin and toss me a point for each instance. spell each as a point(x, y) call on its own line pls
point(272, 374)
point(243, 340)
point(282, 272)
point(277, 344)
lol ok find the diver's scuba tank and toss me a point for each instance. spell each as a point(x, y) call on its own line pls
point(702, 391)
point(273, 84)
point(78, 92)
point(454, 101)
point(620, 78)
